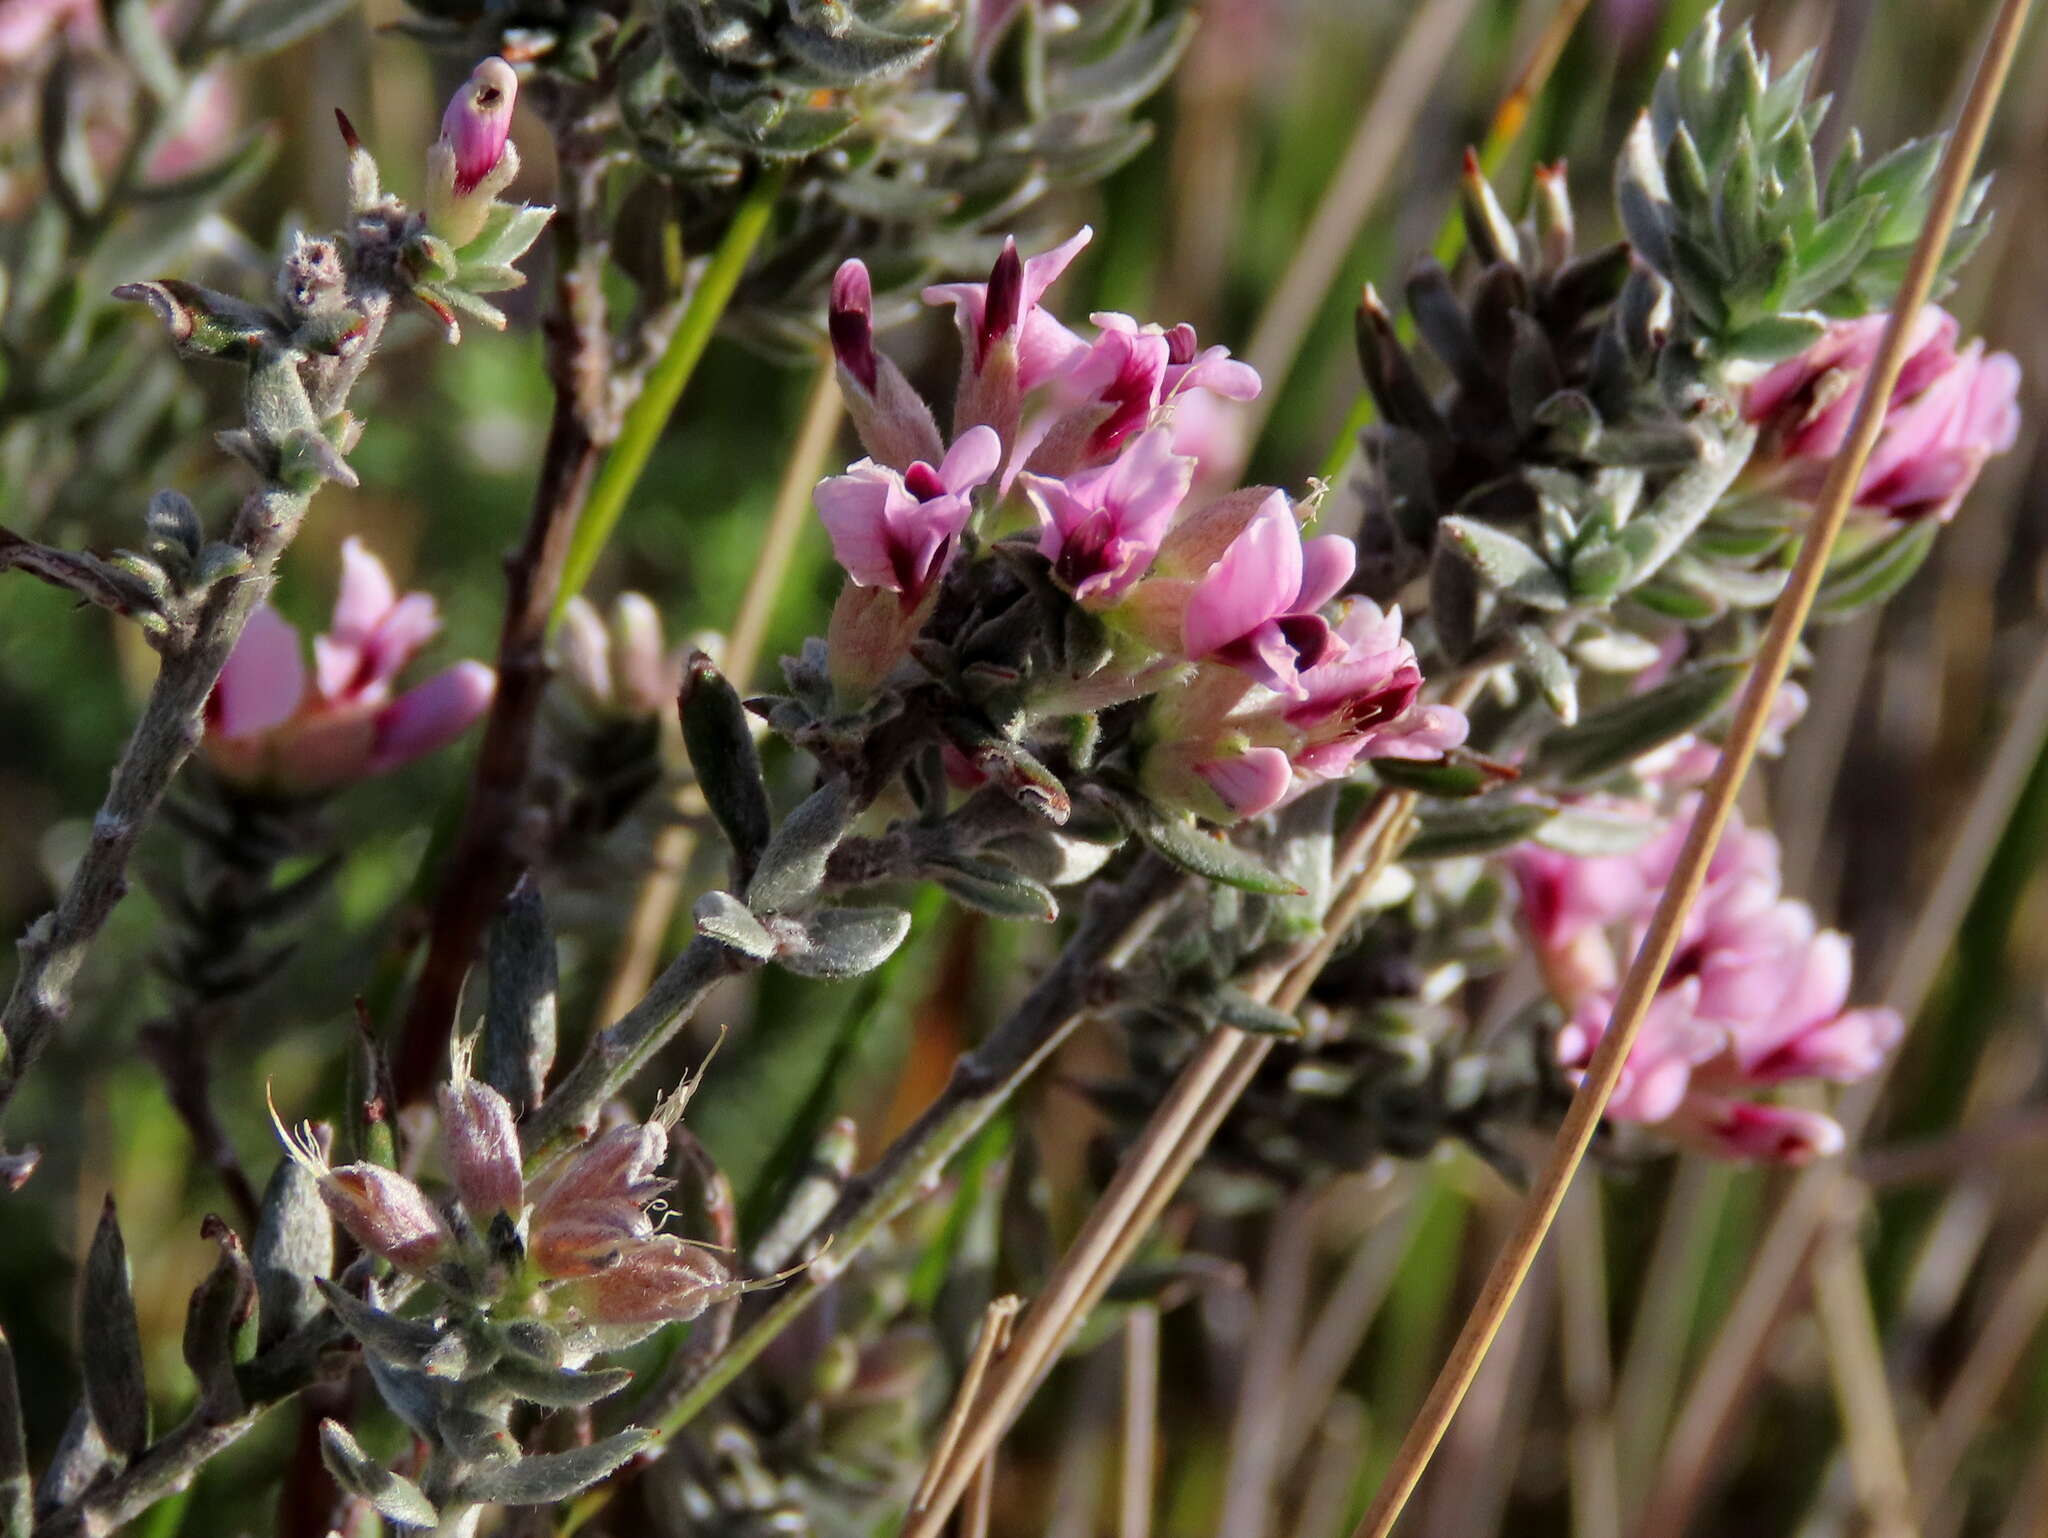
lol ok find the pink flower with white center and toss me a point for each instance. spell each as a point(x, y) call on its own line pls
point(1756, 993)
point(1100, 528)
point(1010, 345)
point(1360, 700)
point(1255, 607)
point(897, 530)
point(1948, 414)
point(266, 729)
point(894, 423)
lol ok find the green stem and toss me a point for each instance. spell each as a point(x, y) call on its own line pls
point(649, 413)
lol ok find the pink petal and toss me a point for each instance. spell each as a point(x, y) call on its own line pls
point(855, 510)
point(1256, 578)
point(1042, 270)
point(1255, 781)
point(363, 597)
point(263, 681)
point(412, 622)
point(431, 715)
point(1326, 565)
point(972, 459)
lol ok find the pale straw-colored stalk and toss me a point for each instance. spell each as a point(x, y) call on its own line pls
point(1138, 1474)
point(1583, 1332)
point(1774, 657)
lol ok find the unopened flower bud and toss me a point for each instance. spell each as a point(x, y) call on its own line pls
point(474, 159)
point(386, 1213)
point(482, 1145)
point(655, 1282)
point(894, 423)
point(477, 121)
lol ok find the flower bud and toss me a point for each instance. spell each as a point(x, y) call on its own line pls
point(482, 1146)
point(386, 1213)
point(894, 423)
point(655, 1282)
point(474, 159)
point(477, 121)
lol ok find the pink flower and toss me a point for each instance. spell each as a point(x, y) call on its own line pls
point(1009, 344)
point(1100, 528)
point(477, 121)
point(1948, 413)
point(1755, 995)
point(894, 423)
point(1005, 310)
point(1255, 608)
point(896, 530)
point(1120, 385)
point(265, 729)
point(1360, 700)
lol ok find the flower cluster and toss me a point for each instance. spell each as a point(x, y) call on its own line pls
point(1064, 445)
point(1949, 412)
point(1755, 996)
point(579, 1240)
point(267, 730)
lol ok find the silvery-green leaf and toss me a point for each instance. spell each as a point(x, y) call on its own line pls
point(558, 1387)
point(1476, 827)
point(110, 1342)
point(792, 866)
point(847, 942)
point(1206, 854)
point(510, 229)
point(726, 919)
point(388, 1335)
point(1598, 572)
point(1240, 1011)
point(1656, 533)
point(1505, 564)
point(1590, 830)
point(1773, 339)
point(1548, 669)
point(294, 1245)
point(727, 766)
point(82, 1456)
point(994, 889)
point(1874, 575)
point(1608, 739)
point(1617, 651)
point(543, 1477)
point(518, 1044)
point(1128, 76)
point(219, 1324)
point(396, 1498)
point(1446, 778)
